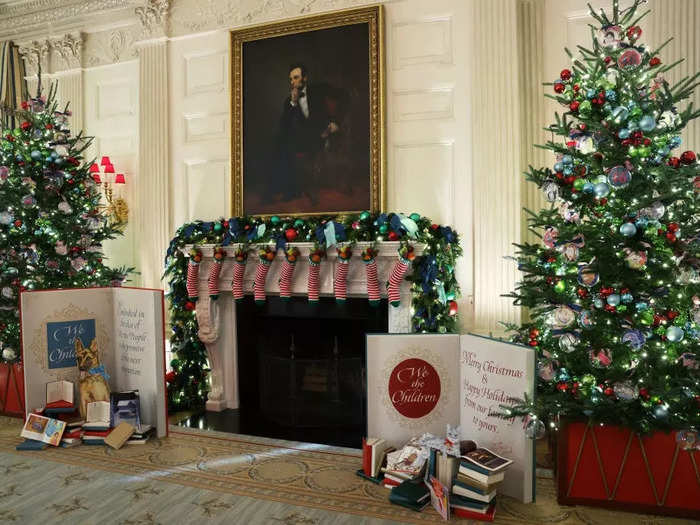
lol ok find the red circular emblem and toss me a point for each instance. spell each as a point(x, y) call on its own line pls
point(414, 388)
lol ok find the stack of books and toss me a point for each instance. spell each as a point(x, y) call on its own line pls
point(474, 489)
point(59, 399)
point(72, 437)
point(97, 423)
point(413, 495)
point(402, 465)
point(141, 437)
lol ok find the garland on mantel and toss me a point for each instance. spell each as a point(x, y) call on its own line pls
point(434, 287)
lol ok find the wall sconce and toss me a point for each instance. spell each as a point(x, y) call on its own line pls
point(117, 209)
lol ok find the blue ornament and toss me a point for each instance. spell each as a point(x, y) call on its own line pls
point(58, 161)
point(36, 155)
point(627, 298)
point(640, 307)
point(661, 412)
point(585, 319)
point(628, 229)
point(563, 375)
point(675, 334)
point(620, 113)
point(610, 95)
point(567, 159)
point(634, 338)
point(647, 123)
point(588, 187)
point(633, 125)
point(598, 302)
point(590, 93)
point(601, 189)
point(613, 299)
point(568, 170)
point(675, 141)
point(558, 166)
point(641, 223)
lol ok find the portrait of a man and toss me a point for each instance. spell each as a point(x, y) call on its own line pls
point(309, 141)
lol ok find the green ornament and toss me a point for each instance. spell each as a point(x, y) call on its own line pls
point(636, 112)
point(218, 227)
point(364, 216)
point(414, 216)
point(383, 228)
point(274, 219)
point(633, 151)
point(585, 106)
point(646, 317)
point(560, 287)
point(450, 296)
point(644, 151)
point(298, 223)
point(588, 379)
point(622, 308)
point(579, 184)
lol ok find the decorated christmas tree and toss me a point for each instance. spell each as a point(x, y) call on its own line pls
point(613, 289)
point(51, 222)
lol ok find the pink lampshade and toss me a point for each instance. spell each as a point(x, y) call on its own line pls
point(94, 168)
point(105, 161)
point(108, 168)
point(119, 179)
point(96, 177)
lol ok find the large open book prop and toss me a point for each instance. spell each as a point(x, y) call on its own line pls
point(418, 383)
point(103, 340)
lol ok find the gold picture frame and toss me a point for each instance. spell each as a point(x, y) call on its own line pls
point(268, 177)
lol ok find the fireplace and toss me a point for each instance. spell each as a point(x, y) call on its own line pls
point(301, 367)
point(249, 347)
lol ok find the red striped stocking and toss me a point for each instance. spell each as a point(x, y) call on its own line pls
point(192, 280)
point(372, 282)
point(314, 269)
point(213, 281)
point(340, 284)
point(237, 282)
point(259, 284)
point(397, 273)
point(286, 279)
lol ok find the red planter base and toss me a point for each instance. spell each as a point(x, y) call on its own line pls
point(12, 389)
point(613, 467)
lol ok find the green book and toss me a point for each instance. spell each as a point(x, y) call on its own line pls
point(376, 480)
point(411, 492)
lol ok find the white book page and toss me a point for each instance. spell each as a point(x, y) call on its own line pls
point(97, 412)
point(138, 322)
point(493, 371)
point(59, 391)
point(44, 309)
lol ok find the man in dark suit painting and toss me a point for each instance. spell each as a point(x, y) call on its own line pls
point(310, 124)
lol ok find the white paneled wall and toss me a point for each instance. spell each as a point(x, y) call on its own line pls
point(199, 109)
point(110, 113)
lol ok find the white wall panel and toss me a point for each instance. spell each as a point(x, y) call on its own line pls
point(202, 177)
point(423, 41)
point(205, 127)
point(115, 99)
point(205, 73)
point(423, 104)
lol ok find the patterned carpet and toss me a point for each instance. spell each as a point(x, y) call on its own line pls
point(211, 477)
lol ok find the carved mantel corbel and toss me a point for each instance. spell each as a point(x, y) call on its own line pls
point(35, 53)
point(69, 49)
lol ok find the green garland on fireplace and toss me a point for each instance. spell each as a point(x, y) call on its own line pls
point(433, 284)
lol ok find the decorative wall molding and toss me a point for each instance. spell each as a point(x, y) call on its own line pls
point(422, 41)
point(68, 49)
point(34, 53)
point(423, 104)
point(111, 46)
point(154, 18)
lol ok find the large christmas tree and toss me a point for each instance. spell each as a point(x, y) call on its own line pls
point(51, 222)
point(613, 290)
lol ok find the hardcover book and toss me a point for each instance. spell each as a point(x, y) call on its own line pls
point(97, 416)
point(111, 338)
point(121, 433)
point(439, 497)
point(126, 407)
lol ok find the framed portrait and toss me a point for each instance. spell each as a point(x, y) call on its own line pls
point(307, 113)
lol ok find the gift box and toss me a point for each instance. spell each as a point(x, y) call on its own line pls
point(613, 467)
point(12, 389)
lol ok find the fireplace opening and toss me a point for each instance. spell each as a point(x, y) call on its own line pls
point(301, 368)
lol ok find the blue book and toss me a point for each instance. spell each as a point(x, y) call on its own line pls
point(473, 488)
point(31, 444)
point(461, 501)
point(58, 410)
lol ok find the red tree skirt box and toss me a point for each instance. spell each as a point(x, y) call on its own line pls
point(12, 389)
point(613, 467)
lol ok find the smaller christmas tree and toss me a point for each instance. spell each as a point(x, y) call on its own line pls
point(614, 288)
point(51, 222)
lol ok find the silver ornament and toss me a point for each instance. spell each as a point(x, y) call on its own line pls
point(8, 354)
point(626, 390)
point(568, 342)
point(534, 429)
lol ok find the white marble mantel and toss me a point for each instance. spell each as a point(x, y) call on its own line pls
point(221, 339)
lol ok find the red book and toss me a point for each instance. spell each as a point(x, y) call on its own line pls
point(488, 516)
point(366, 457)
point(76, 433)
point(390, 482)
point(101, 433)
point(60, 404)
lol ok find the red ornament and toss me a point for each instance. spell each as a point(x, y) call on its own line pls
point(688, 157)
point(434, 227)
point(674, 162)
point(607, 60)
point(49, 126)
point(225, 224)
point(26, 125)
point(18, 223)
point(673, 227)
point(393, 236)
point(670, 237)
point(582, 292)
point(647, 141)
point(534, 332)
point(453, 308)
point(290, 234)
point(574, 106)
point(576, 88)
point(570, 179)
point(609, 391)
point(644, 393)
point(571, 144)
point(603, 201)
point(562, 387)
point(660, 319)
point(609, 308)
point(634, 32)
point(655, 61)
point(582, 126)
point(25, 104)
point(558, 87)
point(189, 305)
point(565, 74)
point(671, 314)
point(533, 342)
point(606, 290)
point(170, 376)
